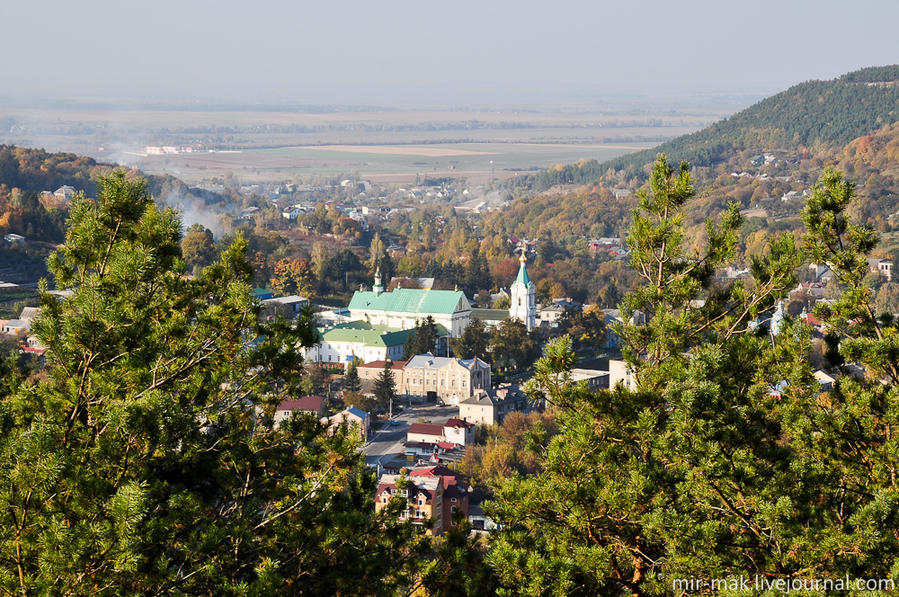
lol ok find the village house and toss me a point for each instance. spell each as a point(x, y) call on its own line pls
point(454, 431)
point(884, 267)
point(370, 372)
point(430, 494)
point(488, 407)
point(355, 418)
point(314, 405)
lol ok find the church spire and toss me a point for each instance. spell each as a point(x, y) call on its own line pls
point(523, 271)
point(524, 303)
point(378, 288)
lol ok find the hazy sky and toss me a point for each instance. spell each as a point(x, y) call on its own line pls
point(426, 52)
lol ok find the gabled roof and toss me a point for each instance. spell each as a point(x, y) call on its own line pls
point(426, 429)
point(411, 300)
point(481, 399)
point(458, 423)
point(306, 403)
point(357, 412)
point(397, 365)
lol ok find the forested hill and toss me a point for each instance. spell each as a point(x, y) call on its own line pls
point(33, 171)
point(805, 116)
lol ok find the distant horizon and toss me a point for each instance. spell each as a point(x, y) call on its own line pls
point(407, 54)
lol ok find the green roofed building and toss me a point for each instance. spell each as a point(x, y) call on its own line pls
point(358, 339)
point(403, 307)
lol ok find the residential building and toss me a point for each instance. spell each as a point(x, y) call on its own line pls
point(488, 407)
point(314, 405)
point(286, 306)
point(371, 371)
point(824, 380)
point(15, 327)
point(884, 267)
point(354, 418)
point(595, 379)
point(425, 433)
point(458, 432)
point(454, 431)
point(64, 192)
point(621, 372)
point(431, 494)
point(402, 308)
point(358, 339)
point(448, 379)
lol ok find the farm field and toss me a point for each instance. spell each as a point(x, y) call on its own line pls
point(382, 144)
point(478, 162)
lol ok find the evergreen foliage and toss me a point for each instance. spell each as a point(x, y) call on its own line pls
point(474, 342)
point(815, 112)
point(351, 382)
point(147, 461)
point(423, 338)
point(385, 386)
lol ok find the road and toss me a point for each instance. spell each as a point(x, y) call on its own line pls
point(387, 442)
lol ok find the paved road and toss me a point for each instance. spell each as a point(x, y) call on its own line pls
point(386, 442)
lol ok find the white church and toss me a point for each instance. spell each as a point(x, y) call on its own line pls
point(524, 297)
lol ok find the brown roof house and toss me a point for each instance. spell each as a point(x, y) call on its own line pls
point(313, 405)
point(430, 494)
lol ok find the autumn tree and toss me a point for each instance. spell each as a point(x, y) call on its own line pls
point(197, 246)
point(293, 276)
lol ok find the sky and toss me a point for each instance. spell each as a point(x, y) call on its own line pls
point(408, 53)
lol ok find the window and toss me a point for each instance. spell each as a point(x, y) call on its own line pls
point(385, 499)
point(454, 500)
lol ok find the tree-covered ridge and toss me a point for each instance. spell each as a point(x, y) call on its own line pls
point(873, 74)
point(808, 114)
point(36, 170)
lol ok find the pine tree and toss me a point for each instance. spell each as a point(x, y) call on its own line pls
point(474, 341)
point(351, 382)
point(147, 460)
point(423, 338)
point(385, 385)
point(689, 476)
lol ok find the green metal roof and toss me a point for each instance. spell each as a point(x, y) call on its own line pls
point(490, 314)
point(365, 333)
point(411, 300)
point(523, 276)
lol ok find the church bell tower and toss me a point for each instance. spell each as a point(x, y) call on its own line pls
point(524, 298)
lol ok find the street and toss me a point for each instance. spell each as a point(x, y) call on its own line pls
point(386, 443)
